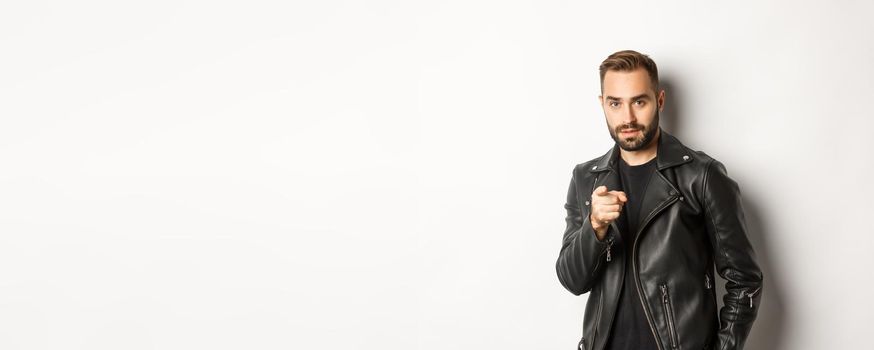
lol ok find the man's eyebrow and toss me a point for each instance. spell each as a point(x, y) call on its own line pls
point(641, 96)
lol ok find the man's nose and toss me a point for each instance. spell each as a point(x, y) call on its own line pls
point(628, 115)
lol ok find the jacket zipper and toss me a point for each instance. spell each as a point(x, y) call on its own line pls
point(707, 281)
point(598, 318)
point(634, 266)
point(750, 295)
point(598, 263)
point(669, 314)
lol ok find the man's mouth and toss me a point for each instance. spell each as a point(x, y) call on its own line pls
point(629, 131)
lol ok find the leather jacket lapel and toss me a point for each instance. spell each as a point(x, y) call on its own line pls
point(658, 193)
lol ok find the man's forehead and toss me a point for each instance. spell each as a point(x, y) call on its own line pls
point(626, 83)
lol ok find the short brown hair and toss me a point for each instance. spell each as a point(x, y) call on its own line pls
point(629, 60)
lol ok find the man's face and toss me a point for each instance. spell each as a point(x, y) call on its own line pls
point(631, 107)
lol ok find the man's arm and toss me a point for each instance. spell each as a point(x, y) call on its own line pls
point(583, 256)
point(734, 257)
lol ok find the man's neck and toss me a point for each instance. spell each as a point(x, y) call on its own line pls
point(643, 155)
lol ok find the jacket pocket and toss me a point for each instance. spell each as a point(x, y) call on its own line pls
point(669, 315)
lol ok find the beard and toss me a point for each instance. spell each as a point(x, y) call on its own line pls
point(635, 142)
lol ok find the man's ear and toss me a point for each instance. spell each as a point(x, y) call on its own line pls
point(661, 99)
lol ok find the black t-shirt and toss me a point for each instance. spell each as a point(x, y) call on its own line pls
point(630, 329)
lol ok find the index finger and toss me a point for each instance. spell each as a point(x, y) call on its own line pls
point(621, 195)
point(601, 190)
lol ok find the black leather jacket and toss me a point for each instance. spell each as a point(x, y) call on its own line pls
point(692, 219)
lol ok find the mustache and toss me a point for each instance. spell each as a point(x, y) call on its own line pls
point(629, 127)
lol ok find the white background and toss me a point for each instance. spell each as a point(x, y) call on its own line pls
point(392, 175)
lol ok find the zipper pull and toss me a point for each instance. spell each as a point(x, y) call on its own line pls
point(751, 296)
point(707, 281)
point(664, 293)
point(609, 245)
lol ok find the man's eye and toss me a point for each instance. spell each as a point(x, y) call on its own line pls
point(614, 104)
point(639, 102)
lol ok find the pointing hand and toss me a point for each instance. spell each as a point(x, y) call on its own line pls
point(606, 206)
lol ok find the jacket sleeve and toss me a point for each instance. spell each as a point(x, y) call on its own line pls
point(583, 256)
point(733, 255)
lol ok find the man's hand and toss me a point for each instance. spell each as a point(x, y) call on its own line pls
point(606, 206)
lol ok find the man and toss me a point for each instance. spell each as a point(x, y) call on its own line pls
point(646, 224)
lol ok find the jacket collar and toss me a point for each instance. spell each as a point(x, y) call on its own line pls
point(670, 152)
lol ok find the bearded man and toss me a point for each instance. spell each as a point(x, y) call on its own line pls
point(647, 222)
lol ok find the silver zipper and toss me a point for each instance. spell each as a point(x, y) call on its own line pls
point(707, 281)
point(598, 318)
point(598, 263)
point(610, 320)
point(750, 295)
point(634, 266)
point(669, 314)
